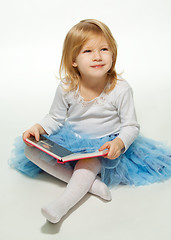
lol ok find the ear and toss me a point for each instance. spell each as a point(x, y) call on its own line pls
point(74, 64)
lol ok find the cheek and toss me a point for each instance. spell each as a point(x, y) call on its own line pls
point(110, 60)
point(83, 62)
point(110, 63)
point(81, 66)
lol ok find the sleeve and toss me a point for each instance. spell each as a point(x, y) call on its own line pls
point(129, 128)
point(57, 114)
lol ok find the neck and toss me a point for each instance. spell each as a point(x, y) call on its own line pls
point(97, 83)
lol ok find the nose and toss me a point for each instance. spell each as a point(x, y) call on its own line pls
point(97, 56)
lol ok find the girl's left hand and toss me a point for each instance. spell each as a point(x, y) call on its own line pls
point(115, 148)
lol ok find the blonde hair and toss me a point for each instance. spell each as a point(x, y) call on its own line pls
point(73, 43)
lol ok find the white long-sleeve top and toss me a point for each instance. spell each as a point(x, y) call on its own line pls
point(107, 114)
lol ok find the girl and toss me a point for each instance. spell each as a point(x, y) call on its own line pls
point(93, 109)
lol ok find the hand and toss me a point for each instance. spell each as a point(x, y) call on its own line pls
point(35, 131)
point(115, 148)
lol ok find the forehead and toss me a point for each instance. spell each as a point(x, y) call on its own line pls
point(96, 40)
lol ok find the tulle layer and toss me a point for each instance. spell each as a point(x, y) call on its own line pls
point(20, 162)
point(146, 161)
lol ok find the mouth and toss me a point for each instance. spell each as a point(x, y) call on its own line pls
point(98, 66)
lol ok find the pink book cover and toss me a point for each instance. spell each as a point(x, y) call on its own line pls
point(60, 153)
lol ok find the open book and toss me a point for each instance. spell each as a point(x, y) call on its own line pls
point(60, 153)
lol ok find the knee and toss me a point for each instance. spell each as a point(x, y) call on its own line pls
point(89, 163)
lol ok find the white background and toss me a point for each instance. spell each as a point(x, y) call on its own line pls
point(31, 39)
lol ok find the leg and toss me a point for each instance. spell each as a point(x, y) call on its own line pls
point(82, 178)
point(61, 172)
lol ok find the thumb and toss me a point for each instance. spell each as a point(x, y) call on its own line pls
point(104, 146)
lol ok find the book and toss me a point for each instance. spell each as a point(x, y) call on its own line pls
point(60, 153)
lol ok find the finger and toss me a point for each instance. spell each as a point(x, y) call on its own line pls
point(26, 135)
point(113, 152)
point(111, 155)
point(115, 155)
point(104, 146)
point(37, 135)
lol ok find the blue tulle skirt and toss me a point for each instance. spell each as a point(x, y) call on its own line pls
point(146, 161)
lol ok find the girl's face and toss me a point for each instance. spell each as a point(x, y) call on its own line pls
point(94, 59)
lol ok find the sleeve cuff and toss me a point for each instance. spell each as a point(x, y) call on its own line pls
point(128, 139)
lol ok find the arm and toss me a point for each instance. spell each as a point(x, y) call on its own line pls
point(55, 119)
point(52, 121)
point(129, 128)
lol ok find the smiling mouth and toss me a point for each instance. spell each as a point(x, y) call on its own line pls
point(98, 66)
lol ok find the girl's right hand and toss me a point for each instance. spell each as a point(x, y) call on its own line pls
point(35, 131)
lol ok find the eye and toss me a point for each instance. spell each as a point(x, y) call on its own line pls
point(104, 49)
point(87, 51)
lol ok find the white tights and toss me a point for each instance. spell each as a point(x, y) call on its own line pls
point(81, 180)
